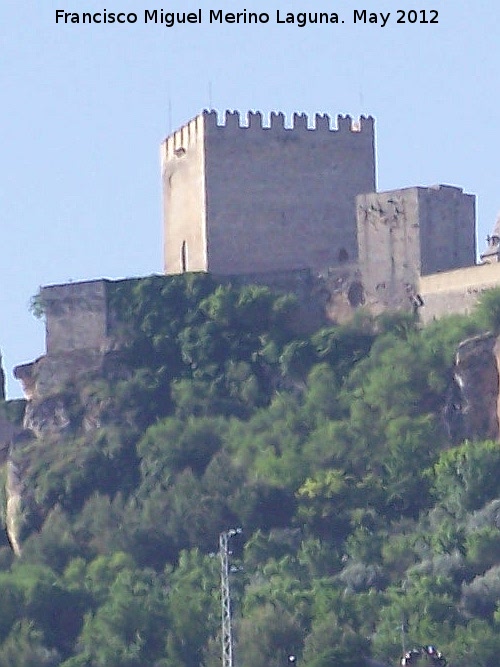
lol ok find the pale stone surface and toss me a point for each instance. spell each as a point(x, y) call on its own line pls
point(389, 247)
point(76, 315)
point(492, 252)
point(184, 199)
point(456, 291)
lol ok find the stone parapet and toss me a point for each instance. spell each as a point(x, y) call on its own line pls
point(455, 291)
point(76, 315)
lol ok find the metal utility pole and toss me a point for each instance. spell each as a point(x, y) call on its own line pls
point(227, 637)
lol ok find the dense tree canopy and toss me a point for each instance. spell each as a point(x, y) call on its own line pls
point(362, 525)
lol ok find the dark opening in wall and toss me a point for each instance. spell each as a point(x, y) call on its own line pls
point(343, 255)
point(355, 295)
point(184, 257)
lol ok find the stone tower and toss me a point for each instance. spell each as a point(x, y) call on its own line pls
point(412, 232)
point(254, 199)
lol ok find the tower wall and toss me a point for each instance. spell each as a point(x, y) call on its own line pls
point(260, 199)
point(389, 247)
point(447, 228)
point(184, 201)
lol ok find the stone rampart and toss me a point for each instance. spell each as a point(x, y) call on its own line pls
point(83, 332)
point(389, 247)
point(184, 199)
point(447, 217)
point(455, 291)
point(325, 297)
point(76, 316)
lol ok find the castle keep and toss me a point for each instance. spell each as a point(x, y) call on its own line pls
point(257, 199)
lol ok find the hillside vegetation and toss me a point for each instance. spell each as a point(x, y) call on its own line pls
point(361, 523)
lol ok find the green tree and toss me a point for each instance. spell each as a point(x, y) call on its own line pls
point(267, 637)
point(128, 629)
point(41, 598)
point(24, 647)
point(468, 476)
point(477, 643)
point(483, 547)
point(194, 609)
point(487, 310)
point(329, 644)
point(170, 446)
point(324, 502)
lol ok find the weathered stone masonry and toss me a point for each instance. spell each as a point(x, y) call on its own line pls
point(409, 233)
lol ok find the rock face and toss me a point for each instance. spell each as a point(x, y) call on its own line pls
point(55, 409)
point(9, 435)
point(45, 381)
point(2, 381)
point(13, 491)
point(59, 405)
point(472, 410)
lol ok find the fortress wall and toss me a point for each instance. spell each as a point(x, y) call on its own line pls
point(323, 298)
point(182, 164)
point(81, 325)
point(456, 291)
point(277, 198)
point(76, 316)
point(447, 228)
point(389, 247)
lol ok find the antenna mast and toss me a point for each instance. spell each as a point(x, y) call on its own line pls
point(227, 636)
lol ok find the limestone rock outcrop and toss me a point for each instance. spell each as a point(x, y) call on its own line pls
point(472, 409)
point(9, 435)
point(2, 381)
point(59, 405)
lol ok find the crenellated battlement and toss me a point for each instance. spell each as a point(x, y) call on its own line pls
point(185, 137)
point(254, 121)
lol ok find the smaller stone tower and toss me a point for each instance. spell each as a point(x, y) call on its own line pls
point(408, 233)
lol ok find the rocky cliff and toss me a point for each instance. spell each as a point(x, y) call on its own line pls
point(61, 402)
point(473, 408)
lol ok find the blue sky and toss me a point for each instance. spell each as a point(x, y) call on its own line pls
point(84, 108)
